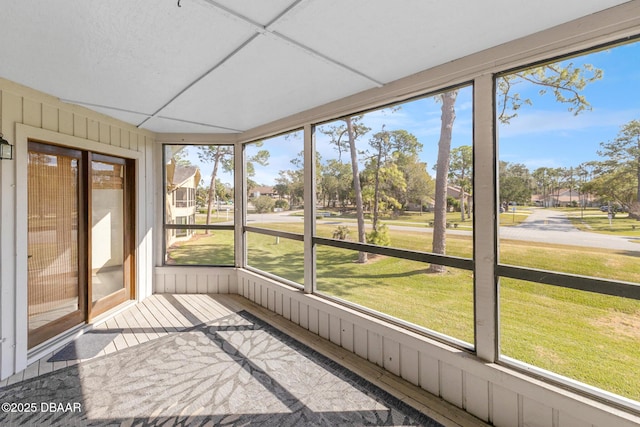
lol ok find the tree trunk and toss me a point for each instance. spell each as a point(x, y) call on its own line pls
point(212, 186)
point(376, 193)
point(442, 178)
point(462, 197)
point(362, 256)
point(638, 171)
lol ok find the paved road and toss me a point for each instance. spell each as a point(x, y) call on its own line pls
point(542, 225)
point(546, 225)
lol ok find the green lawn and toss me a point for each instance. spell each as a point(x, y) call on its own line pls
point(589, 337)
point(598, 222)
point(215, 217)
point(215, 248)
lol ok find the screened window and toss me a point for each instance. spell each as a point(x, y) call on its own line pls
point(275, 221)
point(394, 221)
point(199, 205)
point(568, 217)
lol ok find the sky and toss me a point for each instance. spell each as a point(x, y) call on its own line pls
point(547, 135)
point(543, 134)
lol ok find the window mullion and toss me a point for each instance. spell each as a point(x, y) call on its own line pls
point(484, 186)
point(309, 209)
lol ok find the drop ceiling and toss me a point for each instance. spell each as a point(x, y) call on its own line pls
point(227, 66)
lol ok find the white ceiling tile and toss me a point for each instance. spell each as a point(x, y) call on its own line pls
point(389, 40)
point(267, 80)
point(134, 55)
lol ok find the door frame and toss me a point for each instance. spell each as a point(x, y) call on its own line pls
point(87, 308)
point(14, 315)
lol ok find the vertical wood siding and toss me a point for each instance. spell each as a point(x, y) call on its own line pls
point(200, 280)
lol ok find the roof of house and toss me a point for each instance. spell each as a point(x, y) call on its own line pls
point(263, 189)
point(183, 173)
point(177, 175)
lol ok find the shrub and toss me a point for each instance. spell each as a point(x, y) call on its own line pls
point(263, 204)
point(379, 237)
point(282, 203)
point(341, 232)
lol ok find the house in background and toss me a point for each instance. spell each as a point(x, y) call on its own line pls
point(264, 190)
point(565, 198)
point(453, 192)
point(181, 209)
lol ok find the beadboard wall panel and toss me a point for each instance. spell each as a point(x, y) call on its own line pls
point(490, 392)
point(196, 280)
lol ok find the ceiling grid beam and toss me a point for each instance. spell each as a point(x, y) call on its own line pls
point(259, 30)
point(268, 31)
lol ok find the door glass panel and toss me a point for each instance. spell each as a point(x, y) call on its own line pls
point(107, 229)
point(53, 200)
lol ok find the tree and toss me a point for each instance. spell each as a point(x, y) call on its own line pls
point(261, 157)
point(569, 181)
point(388, 146)
point(586, 172)
point(290, 183)
point(352, 130)
point(617, 185)
point(442, 177)
point(515, 183)
point(218, 155)
point(461, 172)
point(283, 184)
point(564, 81)
point(336, 182)
point(419, 184)
point(542, 180)
point(624, 159)
point(383, 188)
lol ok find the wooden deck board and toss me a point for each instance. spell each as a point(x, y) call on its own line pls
point(119, 341)
point(160, 318)
point(210, 306)
point(138, 331)
point(180, 319)
point(143, 324)
point(173, 319)
point(44, 366)
point(31, 371)
point(127, 332)
point(153, 318)
point(203, 312)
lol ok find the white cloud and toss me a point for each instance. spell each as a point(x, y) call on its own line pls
point(561, 121)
